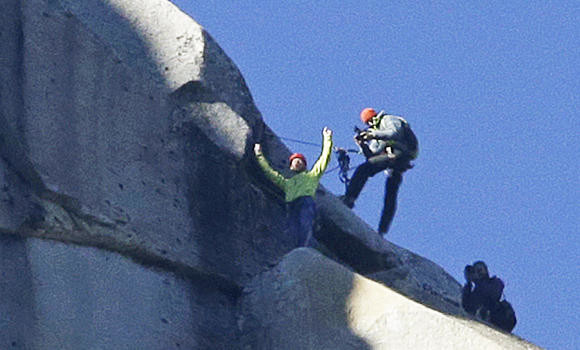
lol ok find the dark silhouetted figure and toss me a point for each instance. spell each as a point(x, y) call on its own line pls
point(481, 297)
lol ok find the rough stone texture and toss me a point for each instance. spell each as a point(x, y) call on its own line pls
point(132, 212)
point(104, 144)
point(329, 307)
point(87, 298)
point(120, 126)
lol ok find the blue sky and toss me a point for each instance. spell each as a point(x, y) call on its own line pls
point(492, 91)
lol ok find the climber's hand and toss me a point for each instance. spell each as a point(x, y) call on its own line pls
point(368, 135)
point(327, 132)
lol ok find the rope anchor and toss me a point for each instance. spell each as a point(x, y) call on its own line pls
point(344, 165)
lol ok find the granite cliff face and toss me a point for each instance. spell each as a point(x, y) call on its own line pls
point(132, 213)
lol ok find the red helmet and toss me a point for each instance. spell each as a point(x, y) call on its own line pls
point(297, 155)
point(367, 114)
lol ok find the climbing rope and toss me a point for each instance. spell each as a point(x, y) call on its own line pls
point(300, 141)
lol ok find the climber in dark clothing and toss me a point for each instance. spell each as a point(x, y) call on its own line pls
point(388, 144)
point(481, 297)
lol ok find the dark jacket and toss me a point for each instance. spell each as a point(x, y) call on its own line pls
point(391, 131)
point(484, 296)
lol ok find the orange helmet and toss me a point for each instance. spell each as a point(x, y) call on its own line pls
point(297, 155)
point(367, 114)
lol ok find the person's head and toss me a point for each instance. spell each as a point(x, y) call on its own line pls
point(371, 117)
point(367, 115)
point(297, 162)
point(480, 270)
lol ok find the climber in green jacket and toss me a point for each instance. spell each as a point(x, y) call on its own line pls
point(300, 189)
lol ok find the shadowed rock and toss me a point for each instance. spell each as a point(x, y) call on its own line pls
point(310, 302)
point(130, 202)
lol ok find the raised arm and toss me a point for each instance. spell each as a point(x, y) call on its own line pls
point(322, 162)
point(271, 174)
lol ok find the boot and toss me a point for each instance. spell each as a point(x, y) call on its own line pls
point(348, 201)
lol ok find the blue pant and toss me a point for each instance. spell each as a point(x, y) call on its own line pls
point(301, 214)
point(372, 166)
point(391, 191)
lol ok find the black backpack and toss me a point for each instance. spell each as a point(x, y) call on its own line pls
point(410, 140)
point(504, 316)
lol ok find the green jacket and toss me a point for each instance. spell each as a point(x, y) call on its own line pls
point(304, 183)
